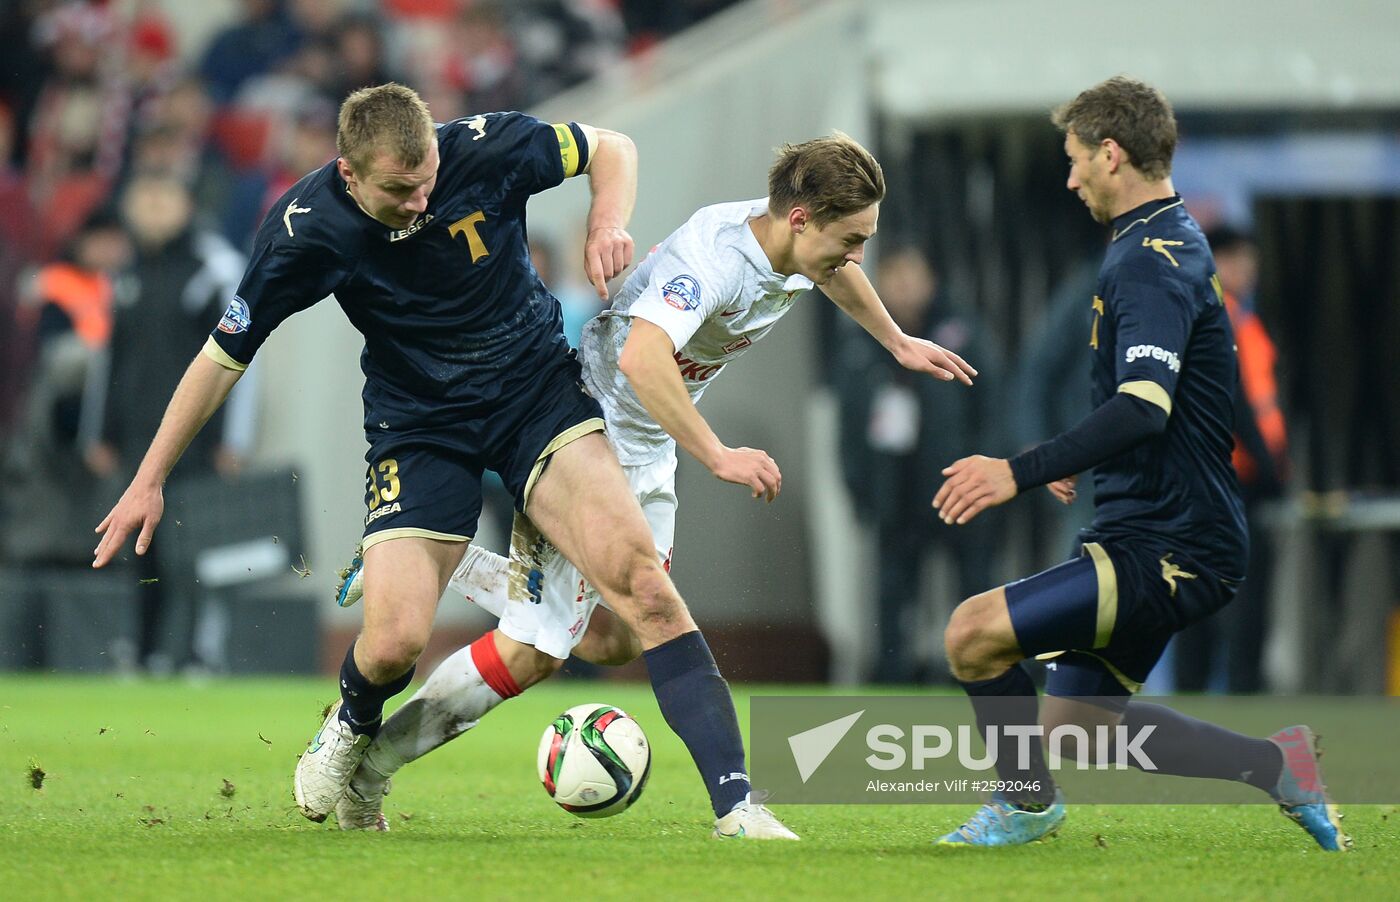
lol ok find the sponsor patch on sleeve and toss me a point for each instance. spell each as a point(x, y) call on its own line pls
point(682, 292)
point(1152, 352)
point(236, 318)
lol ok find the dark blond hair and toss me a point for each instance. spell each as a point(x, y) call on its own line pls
point(1133, 113)
point(831, 178)
point(387, 117)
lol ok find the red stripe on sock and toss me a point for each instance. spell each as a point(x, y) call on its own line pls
point(492, 669)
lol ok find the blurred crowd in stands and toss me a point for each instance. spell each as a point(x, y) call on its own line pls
point(94, 92)
point(136, 162)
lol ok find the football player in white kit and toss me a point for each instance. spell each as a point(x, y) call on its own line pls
point(702, 297)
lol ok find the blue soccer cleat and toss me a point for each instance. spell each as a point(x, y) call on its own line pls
point(1300, 793)
point(1000, 823)
point(352, 581)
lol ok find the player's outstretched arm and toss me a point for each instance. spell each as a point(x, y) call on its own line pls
point(200, 392)
point(850, 289)
point(612, 178)
point(648, 361)
point(976, 483)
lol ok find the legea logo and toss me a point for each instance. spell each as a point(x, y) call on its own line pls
point(893, 747)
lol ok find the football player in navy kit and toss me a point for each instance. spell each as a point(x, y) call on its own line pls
point(702, 298)
point(419, 231)
point(1168, 543)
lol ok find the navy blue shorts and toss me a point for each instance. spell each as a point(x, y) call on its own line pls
point(427, 482)
point(1104, 618)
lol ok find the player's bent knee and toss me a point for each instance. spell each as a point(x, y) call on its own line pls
point(974, 652)
point(385, 658)
point(642, 592)
point(629, 570)
point(960, 637)
point(639, 591)
point(655, 601)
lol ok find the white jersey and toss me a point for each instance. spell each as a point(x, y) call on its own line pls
point(710, 287)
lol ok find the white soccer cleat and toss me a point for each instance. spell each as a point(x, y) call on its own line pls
point(325, 768)
point(358, 810)
point(751, 821)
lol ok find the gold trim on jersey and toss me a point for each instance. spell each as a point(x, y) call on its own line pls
point(409, 532)
point(568, 436)
point(1146, 219)
point(1098, 315)
point(1108, 593)
point(220, 356)
point(1150, 392)
point(568, 149)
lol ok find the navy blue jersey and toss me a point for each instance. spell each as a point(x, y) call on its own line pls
point(455, 318)
point(1161, 332)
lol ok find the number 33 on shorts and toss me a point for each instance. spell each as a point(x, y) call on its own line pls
point(381, 489)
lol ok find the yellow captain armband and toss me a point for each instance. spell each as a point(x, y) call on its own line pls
point(568, 149)
point(220, 356)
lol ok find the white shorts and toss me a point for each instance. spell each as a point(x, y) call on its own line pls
point(557, 623)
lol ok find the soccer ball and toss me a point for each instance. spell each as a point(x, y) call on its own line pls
point(594, 760)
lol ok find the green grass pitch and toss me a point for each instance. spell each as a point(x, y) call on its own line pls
point(165, 790)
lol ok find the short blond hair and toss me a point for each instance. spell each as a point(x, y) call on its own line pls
point(388, 117)
point(831, 178)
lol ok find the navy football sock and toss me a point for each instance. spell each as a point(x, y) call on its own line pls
point(1188, 747)
point(362, 701)
point(696, 703)
point(1005, 701)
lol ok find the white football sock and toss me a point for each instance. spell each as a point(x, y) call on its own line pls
point(482, 576)
point(452, 701)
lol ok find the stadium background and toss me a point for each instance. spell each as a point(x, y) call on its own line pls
point(1289, 115)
